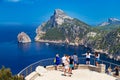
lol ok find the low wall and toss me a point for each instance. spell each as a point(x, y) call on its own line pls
point(100, 68)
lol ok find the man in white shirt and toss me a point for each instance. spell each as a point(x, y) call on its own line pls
point(63, 61)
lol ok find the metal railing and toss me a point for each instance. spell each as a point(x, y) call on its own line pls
point(50, 61)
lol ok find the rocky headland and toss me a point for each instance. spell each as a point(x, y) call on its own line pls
point(61, 28)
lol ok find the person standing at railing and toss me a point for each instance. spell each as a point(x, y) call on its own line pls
point(63, 62)
point(109, 71)
point(97, 58)
point(75, 58)
point(57, 61)
point(67, 61)
point(88, 54)
point(71, 64)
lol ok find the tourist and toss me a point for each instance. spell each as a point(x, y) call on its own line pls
point(71, 64)
point(75, 58)
point(97, 58)
point(116, 71)
point(57, 61)
point(66, 65)
point(109, 70)
point(88, 54)
point(63, 62)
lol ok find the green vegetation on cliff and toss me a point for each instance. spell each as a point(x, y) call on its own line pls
point(53, 34)
point(62, 27)
point(6, 74)
point(111, 42)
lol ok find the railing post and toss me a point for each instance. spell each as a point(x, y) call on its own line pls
point(102, 62)
point(94, 61)
point(26, 72)
point(31, 68)
point(110, 65)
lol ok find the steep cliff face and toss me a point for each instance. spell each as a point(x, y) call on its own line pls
point(107, 42)
point(23, 38)
point(111, 42)
point(60, 26)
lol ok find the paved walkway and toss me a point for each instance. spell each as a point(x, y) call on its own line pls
point(81, 74)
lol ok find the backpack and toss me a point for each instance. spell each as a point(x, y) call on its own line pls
point(54, 60)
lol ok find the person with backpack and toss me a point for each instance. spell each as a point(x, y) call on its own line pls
point(57, 61)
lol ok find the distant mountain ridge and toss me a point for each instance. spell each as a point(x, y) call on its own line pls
point(110, 21)
point(111, 24)
point(63, 28)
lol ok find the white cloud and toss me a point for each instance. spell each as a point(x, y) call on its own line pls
point(23, 1)
point(13, 0)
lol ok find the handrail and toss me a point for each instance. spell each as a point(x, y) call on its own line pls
point(108, 62)
point(34, 65)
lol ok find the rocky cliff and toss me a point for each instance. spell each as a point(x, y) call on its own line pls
point(111, 43)
point(23, 38)
point(63, 28)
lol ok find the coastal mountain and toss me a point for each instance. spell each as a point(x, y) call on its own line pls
point(111, 24)
point(111, 21)
point(62, 27)
point(111, 43)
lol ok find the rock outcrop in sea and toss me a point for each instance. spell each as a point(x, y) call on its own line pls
point(23, 38)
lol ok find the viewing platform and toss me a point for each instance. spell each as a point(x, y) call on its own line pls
point(45, 70)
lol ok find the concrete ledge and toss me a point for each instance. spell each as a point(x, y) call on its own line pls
point(100, 68)
point(31, 76)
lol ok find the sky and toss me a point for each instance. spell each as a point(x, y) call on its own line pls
point(37, 11)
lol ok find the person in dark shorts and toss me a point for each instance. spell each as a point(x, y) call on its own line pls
point(63, 62)
point(88, 54)
point(75, 58)
point(71, 64)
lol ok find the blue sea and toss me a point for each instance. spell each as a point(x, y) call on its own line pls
point(17, 56)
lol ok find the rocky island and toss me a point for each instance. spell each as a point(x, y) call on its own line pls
point(23, 38)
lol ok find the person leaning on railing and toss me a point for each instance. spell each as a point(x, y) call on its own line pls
point(88, 55)
point(97, 58)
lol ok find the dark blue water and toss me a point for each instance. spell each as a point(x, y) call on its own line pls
point(17, 56)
